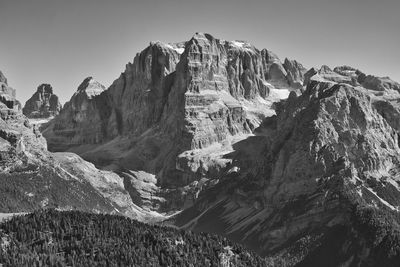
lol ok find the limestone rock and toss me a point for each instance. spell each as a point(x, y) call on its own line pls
point(7, 96)
point(43, 104)
point(3, 78)
point(328, 152)
point(352, 76)
point(378, 83)
point(174, 99)
point(79, 121)
point(32, 178)
point(295, 73)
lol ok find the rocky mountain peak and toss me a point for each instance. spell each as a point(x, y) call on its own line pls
point(43, 103)
point(33, 178)
point(352, 76)
point(295, 73)
point(263, 151)
point(8, 102)
point(325, 69)
point(45, 88)
point(194, 95)
point(3, 78)
point(329, 151)
point(90, 87)
point(203, 36)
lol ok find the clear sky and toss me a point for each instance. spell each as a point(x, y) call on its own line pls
point(63, 41)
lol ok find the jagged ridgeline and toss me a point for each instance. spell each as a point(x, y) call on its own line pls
point(301, 166)
point(43, 103)
point(32, 178)
point(53, 238)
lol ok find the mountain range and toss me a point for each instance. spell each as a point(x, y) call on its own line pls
point(217, 136)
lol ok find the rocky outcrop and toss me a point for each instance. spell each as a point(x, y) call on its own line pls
point(43, 104)
point(378, 83)
point(7, 96)
point(174, 105)
point(296, 72)
point(80, 120)
point(293, 185)
point(220, 129)
point(352, 76)
point(32, 178)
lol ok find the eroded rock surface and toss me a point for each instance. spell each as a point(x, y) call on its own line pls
point(43, 103)
point(311, 172)
point(8, 103)
point(33, 178)
point(174, 106)
point(80, 119)
point(309, 181)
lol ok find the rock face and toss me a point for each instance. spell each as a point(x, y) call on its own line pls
point(352, 76)
point(79, 121)
point(32, 178)
point(301, 166)
point(305, 182)
point(7, 96)
point(177, 109)
point(43, 104)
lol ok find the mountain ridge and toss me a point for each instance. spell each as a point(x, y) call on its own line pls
point(43, 103)
point(219, 136)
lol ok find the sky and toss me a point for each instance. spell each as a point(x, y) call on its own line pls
point(61, 42)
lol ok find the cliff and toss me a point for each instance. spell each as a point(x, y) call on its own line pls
point(314, 180)
point(32, 178)
point(43, 103)
point(176, 110)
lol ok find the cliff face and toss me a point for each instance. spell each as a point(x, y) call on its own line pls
point(331, 151)
point(79, 120)
point(301, 166)
point(8, 103)
point(32, 178)
point(43, 104)
point(175, 105)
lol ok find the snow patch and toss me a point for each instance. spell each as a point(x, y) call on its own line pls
point(238, 44)
point(280, 93)
point(39, 122)
point(234, 169)
point(179, 50)
point(92, 92)
point(242, 45)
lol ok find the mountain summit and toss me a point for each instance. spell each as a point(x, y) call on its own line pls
point(218, 136)
point(43, 104)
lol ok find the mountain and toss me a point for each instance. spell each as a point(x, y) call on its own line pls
point(8, 103)
point(32, 178)
point(43, 103)
point(166, 123)
point(319, 181)
point(301, 166)
point(52, 238)
point(204, 126)
point(78, 118)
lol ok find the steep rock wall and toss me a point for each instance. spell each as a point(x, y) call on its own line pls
point(326, 152)
point(43, 103)
point(174, 104)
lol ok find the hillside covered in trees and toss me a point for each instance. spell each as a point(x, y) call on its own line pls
point(73, 238)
